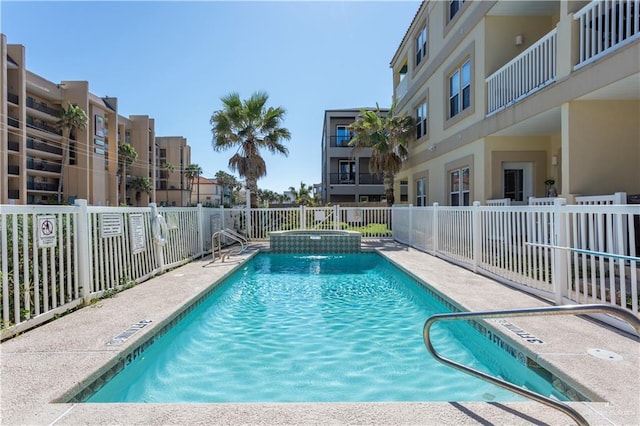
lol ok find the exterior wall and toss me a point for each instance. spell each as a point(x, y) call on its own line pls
point(173, 188)
point(209, 190)
point(556, 128)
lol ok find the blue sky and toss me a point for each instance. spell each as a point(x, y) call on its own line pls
point(174, 61)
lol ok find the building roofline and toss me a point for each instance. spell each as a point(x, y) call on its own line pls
point(395, 55)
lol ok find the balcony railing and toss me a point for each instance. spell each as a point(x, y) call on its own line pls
point(13, 146)
point(370, 179)
point(43, 107)
point(340, 141)
point(13, 170)
point(606, 25)
point(42, 146)
point(13, 98)
point(13, 122)
point(41, 125)
point(525, 74)
point(14, 194)
point(342, 178)
point(39, 186)
point(43, 166)
point(401, 88)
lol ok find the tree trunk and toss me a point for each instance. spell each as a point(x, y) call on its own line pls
point(388, 189)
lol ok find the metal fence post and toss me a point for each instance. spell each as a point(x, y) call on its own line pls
point(476, 235)
point(560, 269)
point(82, 240)
point(435, 229)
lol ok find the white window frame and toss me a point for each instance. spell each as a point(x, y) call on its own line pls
point(458, 189)
point(422, 192)
point(421, 45)
point(459, 83)
point(421, 120)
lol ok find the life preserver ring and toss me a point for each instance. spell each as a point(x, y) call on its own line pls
point(160, 230)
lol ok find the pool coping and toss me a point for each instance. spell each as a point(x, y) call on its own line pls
point(50, 363)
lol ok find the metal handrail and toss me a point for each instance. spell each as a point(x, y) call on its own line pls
point(231, 233)
point(628, 316)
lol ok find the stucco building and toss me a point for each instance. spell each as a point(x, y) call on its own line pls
point(510, 94)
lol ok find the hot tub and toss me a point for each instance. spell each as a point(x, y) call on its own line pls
point(315, 241)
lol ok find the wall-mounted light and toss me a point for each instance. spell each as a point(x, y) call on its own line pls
point(519, 40)
point(554, 160)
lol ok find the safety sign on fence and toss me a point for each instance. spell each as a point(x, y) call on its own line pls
point(46, 231)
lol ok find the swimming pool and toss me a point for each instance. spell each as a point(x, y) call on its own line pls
point(293, 328)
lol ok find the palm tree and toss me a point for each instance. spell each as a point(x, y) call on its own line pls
point(249, 126)
point(388, 135)
point(141, 184)
point(168, 168)
point(127, 155)
point(71, 118)
point(191, 172)
point(227, 181)
point(302, 196)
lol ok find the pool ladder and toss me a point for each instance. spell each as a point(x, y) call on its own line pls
point(629, 317)
point(217, 248)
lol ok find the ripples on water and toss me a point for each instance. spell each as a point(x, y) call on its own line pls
point(290, 328)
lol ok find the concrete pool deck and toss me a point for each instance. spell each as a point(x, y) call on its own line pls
point(56, 360)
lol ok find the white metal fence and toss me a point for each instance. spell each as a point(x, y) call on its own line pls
point(565, 253)
point(56, 258)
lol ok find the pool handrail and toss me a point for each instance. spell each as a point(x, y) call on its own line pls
point(628, 316)
point(228, 233)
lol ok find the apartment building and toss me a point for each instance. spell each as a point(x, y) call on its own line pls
point(345, 171)
point(172, 187)
point(38, 166)
point(508, 95)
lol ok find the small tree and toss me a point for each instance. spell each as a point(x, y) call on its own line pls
point(127, 155)
point(193, 172)
point(141, 184)
point(168, 168)
point(71, 118)
point(388, 135)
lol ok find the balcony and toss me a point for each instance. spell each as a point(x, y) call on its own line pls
point(40, 186)
point(13, 98)
point(13, 146)
point(42, 146)
point(13, 122)
point(370, 179)
point(525, 74)
point(41, 125)
point(401, 88)
point(44, 166)
point(340, 141)
point(14, 194)
point(13, 170)
point(605, 26)
point(43, 107)
point(342, 178)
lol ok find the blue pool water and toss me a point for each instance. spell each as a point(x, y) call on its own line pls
point(297, 328)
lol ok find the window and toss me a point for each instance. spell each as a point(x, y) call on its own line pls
point(421, 45)
point(343, 136)
point(421, 120)
point(454, 7)
point(459, 187)
point(404, 191)
point(347, 171)
point(460, 89)
point(421, 192)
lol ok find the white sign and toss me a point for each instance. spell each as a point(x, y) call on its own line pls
point(110, 225)
point(136, 229)
point(46, 231)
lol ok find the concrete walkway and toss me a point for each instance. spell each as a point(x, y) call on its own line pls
point(55, 361)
